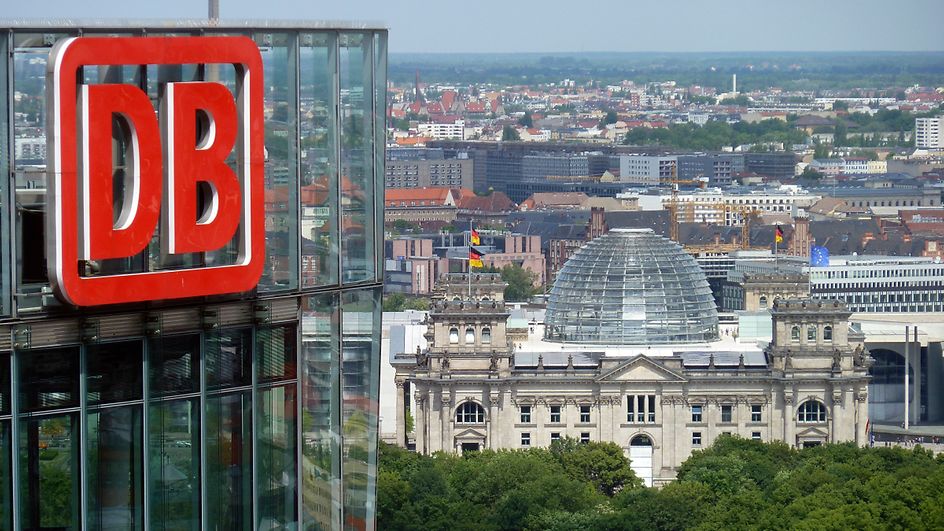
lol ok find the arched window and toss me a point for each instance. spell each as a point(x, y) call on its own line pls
point(811, 333)
point(469, 335)
point(827, 333)
point(763, 301)
point(811, 411)
point(470, 413)
point(795, 333)
point(454, 335)
point(486, 335)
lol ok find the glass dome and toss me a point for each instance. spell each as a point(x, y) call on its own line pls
point(631, 287)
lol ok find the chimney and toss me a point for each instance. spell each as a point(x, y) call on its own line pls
point(734, 83)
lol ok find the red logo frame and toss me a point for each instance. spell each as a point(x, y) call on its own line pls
point(65, 169)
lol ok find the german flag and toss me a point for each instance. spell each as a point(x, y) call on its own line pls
point(778, 235)
point(474, 238)
point(475, 258)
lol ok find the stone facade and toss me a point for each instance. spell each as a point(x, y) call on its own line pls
point(471, 390)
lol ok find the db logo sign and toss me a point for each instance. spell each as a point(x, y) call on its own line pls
point(188, 169)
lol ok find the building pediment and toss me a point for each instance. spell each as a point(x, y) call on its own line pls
point(640, 369)
point(470, 433)
point(813, 431)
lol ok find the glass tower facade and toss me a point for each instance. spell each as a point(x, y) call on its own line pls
point(250, 411)
point(631, 287)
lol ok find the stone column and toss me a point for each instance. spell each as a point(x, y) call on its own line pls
point(862, 415)
point(493, 427)
point(402, 435)
point(837, 418)
point(789, 419)
point(445, 419)
point(422, 411)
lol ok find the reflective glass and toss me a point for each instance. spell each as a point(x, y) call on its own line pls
point(278, 59)
point(49, 379)
point(319, 159)
point(174, 465)
point(357, 158)
point(631, 287)
point(113, 372)
point(380, 133)
point(229, 462)
point(6, 477)
point(276, 353)
point(115, 475)
point(49, 472)
point(276, 464)
point(174, 364)
point(321, 463)
point(360, 313)
point(5, 167)
point(5, 389)
point(229, 358)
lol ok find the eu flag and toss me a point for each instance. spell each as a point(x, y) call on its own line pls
point(819, 256)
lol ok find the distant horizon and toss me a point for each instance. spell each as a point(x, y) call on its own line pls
point(532, 26)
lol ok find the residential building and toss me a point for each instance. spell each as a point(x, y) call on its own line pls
point(424, 168)
point(929, 133)
point(442, 130)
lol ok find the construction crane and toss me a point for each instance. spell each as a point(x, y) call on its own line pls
point(673, 206)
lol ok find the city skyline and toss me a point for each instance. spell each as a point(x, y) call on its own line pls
point(533, 27)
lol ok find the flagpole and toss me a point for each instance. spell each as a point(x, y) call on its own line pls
point(470, 259)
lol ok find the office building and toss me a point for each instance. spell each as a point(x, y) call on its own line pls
point(423, 167)
point(205, 408)
point(649, 170)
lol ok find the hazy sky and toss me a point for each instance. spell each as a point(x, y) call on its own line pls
point(574, 25)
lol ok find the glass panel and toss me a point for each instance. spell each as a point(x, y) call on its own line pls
point(5, 157)
point(174, 364)
point(228, 358)
point(357, 158)
point(29, 166)
point(115, 473)
point(321, 465)
point(49, 472)
point(319, 159)
point(278, 59)
point(5, 389)
point(275, 353)
point(6, 478)
point(114, 372)
point(174, 465)
point(229, 462)
point(49, 379)
point(360, 312)
point(275, 459)
point(380, 131)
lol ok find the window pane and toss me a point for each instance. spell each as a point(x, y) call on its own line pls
point(319, 160)
point(229, 462)
point(357, 158)
point(278, 60)
point(6, 478)
point(228, 358)
point(114, 372)
point(174, 464)
point(115, 472)
point(360, 312)
point(380, 130)
point(275, 458)
point(49, 472)
point(174, 364)
point(5, 389)
point(321, 465)
point(49, 379)
point(275, 353)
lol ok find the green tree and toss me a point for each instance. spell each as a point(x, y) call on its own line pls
point(525, 120)
point(509, 134)
point(603, 464)
point(520, 283)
